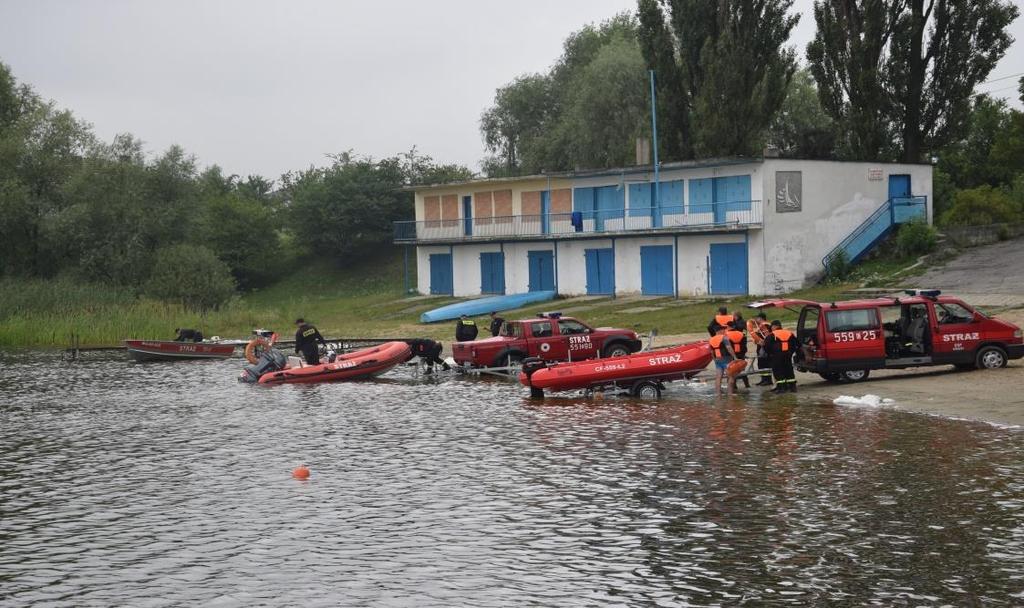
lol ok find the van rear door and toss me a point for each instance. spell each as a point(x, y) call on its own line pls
point(854, 338)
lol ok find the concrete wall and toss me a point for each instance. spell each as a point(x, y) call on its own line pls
point(837, 197)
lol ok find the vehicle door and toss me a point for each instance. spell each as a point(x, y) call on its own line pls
point(855, 337)
point(579, 340)
point(545, 342)
point(956, 332)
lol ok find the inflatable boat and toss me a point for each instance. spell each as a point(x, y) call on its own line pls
point(642, 373)
point(356, 365)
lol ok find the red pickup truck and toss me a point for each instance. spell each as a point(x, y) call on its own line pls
point(549, 336)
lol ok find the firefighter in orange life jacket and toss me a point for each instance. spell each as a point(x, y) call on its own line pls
point(759, 329)
point(738, 341)
point(781, 346)
point(721, 348)
point(722, 319)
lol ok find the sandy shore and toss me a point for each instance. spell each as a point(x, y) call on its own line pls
point(991, 395)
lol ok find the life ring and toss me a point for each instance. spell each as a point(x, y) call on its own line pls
point(257, 346)
point(545, 347)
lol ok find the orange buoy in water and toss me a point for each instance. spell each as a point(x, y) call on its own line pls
point(300, 472)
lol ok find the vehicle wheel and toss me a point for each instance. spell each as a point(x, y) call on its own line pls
point(831, 376)
point(512, 361)
point(616, 350)
point(854, 375)
point(646, 389)
point(990, 357)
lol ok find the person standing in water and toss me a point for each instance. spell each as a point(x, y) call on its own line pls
point(724, 355)
point(307, 338)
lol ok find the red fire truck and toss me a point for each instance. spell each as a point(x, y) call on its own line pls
point(844, 341)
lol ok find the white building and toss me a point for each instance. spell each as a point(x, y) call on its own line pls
point(718, 227)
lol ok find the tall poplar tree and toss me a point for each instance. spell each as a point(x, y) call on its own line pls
point(730, 59)
point(898, 75)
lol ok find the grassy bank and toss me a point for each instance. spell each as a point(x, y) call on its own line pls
point(364, 300)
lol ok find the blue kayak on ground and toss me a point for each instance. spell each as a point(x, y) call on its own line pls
point(483, 306)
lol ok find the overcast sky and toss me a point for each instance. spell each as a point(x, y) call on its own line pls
point(261, 86)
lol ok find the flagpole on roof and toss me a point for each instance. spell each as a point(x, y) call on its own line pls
point(654, 144)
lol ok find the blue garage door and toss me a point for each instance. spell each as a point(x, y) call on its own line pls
point(492, 272)
point(728, 268)
point(542, 270)
point(656, 270)
point(441, 274)
point(600, 271)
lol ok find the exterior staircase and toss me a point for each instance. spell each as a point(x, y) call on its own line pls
point(880, 224)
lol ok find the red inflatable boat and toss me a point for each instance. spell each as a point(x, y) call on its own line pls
point(356, 365)
point(642, 373)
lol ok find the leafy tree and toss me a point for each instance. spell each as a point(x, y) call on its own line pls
point(40, 148)
point(517, 119)
point(846, 58)
point(658, 47)
point(732, 64)
point(607, 108)
point(192, 276)
point(969, 161)
point(531, 126)
point(897, 75)
point(801, 129)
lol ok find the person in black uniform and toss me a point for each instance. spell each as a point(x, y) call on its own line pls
point(496, 323)
point(188, 335)
point(781, 345)
point(306, 339)
point(465, 329)
point(428, 351)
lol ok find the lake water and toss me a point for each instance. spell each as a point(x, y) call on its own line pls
point(169, 484)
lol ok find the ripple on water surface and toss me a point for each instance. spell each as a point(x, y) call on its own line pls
point(168, 484)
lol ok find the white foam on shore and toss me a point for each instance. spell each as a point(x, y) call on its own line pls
point(866, 400)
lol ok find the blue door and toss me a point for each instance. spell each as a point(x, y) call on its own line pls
point(720, 199)
point(600, 271)
point(727, 268)
point(542, 270)
point(656, 270)
point(441, 274)
point(899, 186)
point(492, 272)
point(467, 214)
point(545, 212)
point(609, 203)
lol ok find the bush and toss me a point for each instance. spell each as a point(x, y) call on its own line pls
point(838, 268)
point(191, 275)
point(916, 238)
point(981, 206)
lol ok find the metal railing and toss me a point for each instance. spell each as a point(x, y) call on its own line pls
point(893, 212)
point(666, 217)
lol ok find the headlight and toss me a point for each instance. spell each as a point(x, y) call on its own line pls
point(1018, 334)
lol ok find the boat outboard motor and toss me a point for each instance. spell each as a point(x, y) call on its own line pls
point(530, 365)
point(270, 361)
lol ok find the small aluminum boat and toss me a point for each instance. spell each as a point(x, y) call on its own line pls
point(168, 350)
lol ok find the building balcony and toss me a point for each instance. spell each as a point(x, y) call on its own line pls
point(701, 217)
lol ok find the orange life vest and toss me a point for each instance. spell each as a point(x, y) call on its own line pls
point(716, 346)
point(783, 336)
point(724, 320)
point(737, 338)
